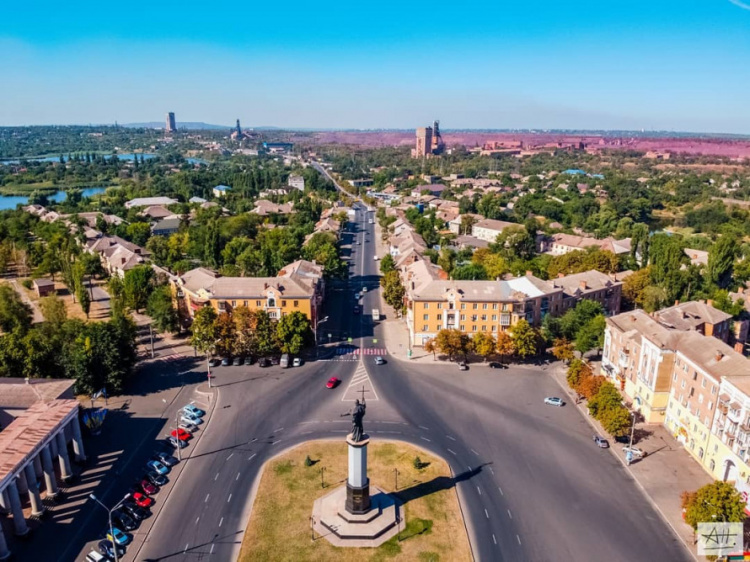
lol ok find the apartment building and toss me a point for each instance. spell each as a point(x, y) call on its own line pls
point(561, 243)
point(697, 316)
point(728, 454)
point(489, 229)
point(590, 285)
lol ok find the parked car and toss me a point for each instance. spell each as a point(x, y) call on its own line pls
point(333, 382)
point(264, 362)
point(193, 409)
point(94, 556)
point(364, 289)
point(137, 512)
point(142, 500)
point(554, 401)
point(237, 361)
point(624, 439)
point(495, 365)
point(166, 458)
point(156, 478)
point(181, 434)
point(108, 549)
point(249, 360)
point(274, 360)
point(601, 442)
point(297, 362)
point(462, 366)
point(379, 360)
point(148, 487)
point(635, 451)
point(118, 537)
point(214, 362)
point(376, 258)
point(356, 296)
point(157, 467)
point(226, 361)
point(190, 418)
point(123, 521)
point(285, 361)
point(187, 426)
point(176, 443)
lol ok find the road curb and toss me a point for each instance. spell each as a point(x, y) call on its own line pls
point(638, 484)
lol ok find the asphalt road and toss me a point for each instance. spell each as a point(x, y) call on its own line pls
point(533, 485)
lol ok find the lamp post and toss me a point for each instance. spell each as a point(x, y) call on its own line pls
point(632, 430)
point(109, 515)
point(318, 323)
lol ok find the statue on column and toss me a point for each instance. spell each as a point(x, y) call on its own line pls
point(358, 412)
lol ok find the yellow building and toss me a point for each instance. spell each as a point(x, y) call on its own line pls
point(728, 454)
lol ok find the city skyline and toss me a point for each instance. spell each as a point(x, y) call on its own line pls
point(669, 67)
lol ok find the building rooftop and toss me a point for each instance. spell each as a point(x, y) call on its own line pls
point(585, 282)
point(712, 355)
point(493, 224)
point(486, 291)
point(15, 393)
point(146, 201)
point(691, 315)
point(639, 323)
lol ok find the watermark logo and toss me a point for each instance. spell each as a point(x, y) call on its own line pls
point(719, 539)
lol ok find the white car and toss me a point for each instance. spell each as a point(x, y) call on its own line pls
point(635, 451)
point(376, 258)
point(297, 362)
point(554, 401)
point(364, 289)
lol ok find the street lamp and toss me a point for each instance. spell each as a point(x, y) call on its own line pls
point(109, 515)
point(318, 323)
point(632, 429)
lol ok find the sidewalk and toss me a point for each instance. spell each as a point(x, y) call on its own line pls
point(666, 471)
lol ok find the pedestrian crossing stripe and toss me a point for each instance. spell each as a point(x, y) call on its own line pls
point(351, 350)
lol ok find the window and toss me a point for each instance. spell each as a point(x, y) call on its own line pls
point(674, 377)
point(475, 306)
point(426, 317)
point(700, 399)
point(283, 304)
point(700, 452)
point(494, 317)
point(426, 305)
point(462, 327)
point(712, 465)
point(703, 383)
point(271, 302)
point(716, 450)
point(234, 304)
point(463, 317)
point(296, 304)
point(424, 328)
point(463, 306)
point(494, 328)
point(713, 389)
point(484, 306)
point(683, 384)
point(473, 328)
point(440, 305)
point(244, 303)
point(710, 406)
point(494, 306)
point(439, 316)
point(484, 318)
point(257, 303)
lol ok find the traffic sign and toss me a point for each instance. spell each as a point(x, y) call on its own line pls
point(374, 340)
point(349, 340)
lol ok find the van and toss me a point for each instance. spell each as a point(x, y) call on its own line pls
point(284, 361)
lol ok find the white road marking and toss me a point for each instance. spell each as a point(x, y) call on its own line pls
point(486, 513)
point(494, 539)
point(306, 433)
point(451, 438)
point(339, 431)
point(280, 429)
point(186, 547)
point(238, 477)
point(212, 548)
point(510, 514)
point(518, 539)
point(274, 443)
point(501, 490)
point(221, 521)
point(424, 439)
point(451, 451)
point(253, 439)
point(206, 500)
point(229, 498)
point(216, 477)
point(425, 428)
point(473, 451)
point(492, 471)
point(251, 456)
point(479, 490)
point(197, 519)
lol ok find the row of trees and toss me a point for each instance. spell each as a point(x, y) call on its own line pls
point(245, 332)
point(522, 340)
point(604, 400)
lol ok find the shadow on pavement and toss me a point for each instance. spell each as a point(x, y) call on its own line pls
point(437, 484)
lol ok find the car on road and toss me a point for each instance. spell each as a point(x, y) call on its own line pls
point(297, 362)
point(462, 366)
point(192, 428)
point(136, 512)
point(123, 521)
point(156, 478)
point(181, 434)
point(118, 537)
point(601, 442)
point(193, 409)
point(237, 361)
point(364, 289)
point(495, 365)
point(157, 467)
point(214, 362)
point(142, 500)
point(166, 458)
point(554, 401)
point(108, 549)
point(379, 360)
point(94, 556)
point(333, 382)
point(356, 296)
point(263, 362)
point(355, 310)
point(148, 487)
point(635, 451)
point(376, 258)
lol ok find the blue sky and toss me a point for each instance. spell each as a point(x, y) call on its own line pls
point(606, 64)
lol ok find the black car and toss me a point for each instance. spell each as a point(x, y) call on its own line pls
point(274, 360)
point(625, 439)
point(105, 547)
point(263, 362)
point(156, 479)
point(165, 458)
point(497, 366)
point(249, 360)
point(215, 362)
point(135, 511)
point(123, 521)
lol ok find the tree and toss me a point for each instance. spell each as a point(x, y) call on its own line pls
point(666, 257)
point(203, 329)
point(721, 261)
point(387, 264)
point(591, 334)
point(452, 342)
point(14, 313)
point(483, 344)
point(244, 322)
point(608, 397)
point(136, 286)
point(226, 335)
point(160, 308)
point(633, 287)
point(514, 243)
point(562, 350)
point(138, 233)
point(53, 310)
point(81, 292)
point(293, 332)
point(469, 272)
point(116, 296)
point(578, 370)
point(616, 421)
point(430, 347)
point(525, 339)
point(265, 333)
point(575, 318)
point(505, 345)
point(653, 298)
point(589, 386)
point(717, 501)
point(393, 290)
point(467, 222)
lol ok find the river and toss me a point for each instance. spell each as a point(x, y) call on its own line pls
point(128, 156)
point(11, 201)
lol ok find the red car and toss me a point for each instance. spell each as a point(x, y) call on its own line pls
point(333, 382)
point(181, 434)
point(142, 500)
point(148, 487)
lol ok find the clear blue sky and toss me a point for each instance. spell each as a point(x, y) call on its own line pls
point(653, 64)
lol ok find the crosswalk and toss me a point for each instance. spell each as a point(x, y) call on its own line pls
point(360, 386)
point(351, 353)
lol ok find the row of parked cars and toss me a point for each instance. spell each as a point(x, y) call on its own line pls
point(140, 497)
point(284, 361)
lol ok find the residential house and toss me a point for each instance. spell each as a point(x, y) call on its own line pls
point(561, 243)
point(297, 182)
point(264, 207)
point(489, 229)
point(117, 255)
point(435, 190)
point(221, 190)
point(156, 212)
point(44, 287)
point(698, 316)
point(697, 257)
point(167, 226)
point(149, 201)
point(590, 285)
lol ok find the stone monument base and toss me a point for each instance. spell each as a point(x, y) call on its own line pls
point(380, 523)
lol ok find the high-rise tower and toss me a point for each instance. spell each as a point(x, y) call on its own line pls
point(171, 126)
point(424, 142)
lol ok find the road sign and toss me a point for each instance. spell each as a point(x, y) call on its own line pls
point(349, 340)
point(374, 340)
point(330, 335)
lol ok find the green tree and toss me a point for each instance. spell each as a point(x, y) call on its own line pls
point(244, 322)
point(666, 257)
point(393, 290)
point(203, 329)
point(591, 334)
point(607, 398)
point(387, 264)
point(721, 259)
point(633, 287)
point(578, 370)
point(161, 309)
point(717, 501)
point(138, 233)
point(226, 335)
point(14, 313)
point(469, 272)
point(53, 310)
point(483, 344)
point(293, 332)
point(575, 318)
point(452, 342)
point(616, 421)
point(525, 339)
point(514, 243)
point(505, 345)
point(265, 333)
point(136, 286)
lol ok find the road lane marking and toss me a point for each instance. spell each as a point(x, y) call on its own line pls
point(186, 547)
point(251, 456)
point(274, 443)
point(221, 521)
point(197, 519)
point(486, 513)
point(451, 451)
point(518, 539)
point(510, 514)
point(280, 429)
point(493, 538)
point(339, 431)
point(492, 471)
point(230, 456)
point(423, 427)
point(501, 490)
point(229, 498)
point(238, 477)
point(253, 439)
point(212, 548)
point(473, 451)
point(425, 439)
point(206, 500)
point(216, 477)
point(479, 490)
point(451, 438)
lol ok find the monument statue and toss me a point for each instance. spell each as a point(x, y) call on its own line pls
point(357, 414)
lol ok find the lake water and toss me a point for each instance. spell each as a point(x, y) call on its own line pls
point(11, 201)
point(129, 157)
